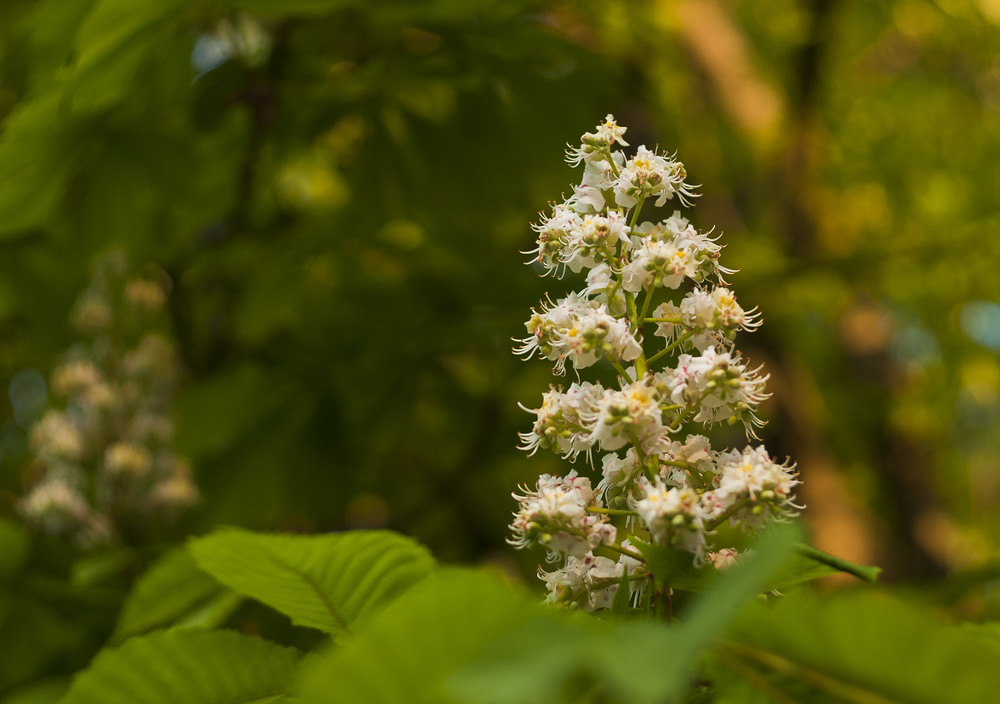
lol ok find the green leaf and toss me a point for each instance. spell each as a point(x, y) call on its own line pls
point(866, 647)
point(409, 650)
point(676, 567)
point(190, 666)
point(215, 413)
point(620, 604)
point(13, 548)
point(798, 570)
point(41, 635)
point(174, 592)
point(545, 660)
point(868, 573)
point(557, 659)
point(116, 42)
point(328, 582)
point(38, 150)
point(640, 647)
point(45, 691)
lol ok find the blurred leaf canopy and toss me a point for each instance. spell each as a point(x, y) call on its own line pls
point(339, 191)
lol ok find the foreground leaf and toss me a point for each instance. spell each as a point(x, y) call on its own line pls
point(640, 647)
point(173, 592)
point(190, 666)
point(676, 568)
point(327, 582)
point(407, 653)
point(556, 658)
point(865, 647)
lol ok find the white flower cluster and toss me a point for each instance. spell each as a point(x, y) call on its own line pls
point(646, 283)
point(104, 461)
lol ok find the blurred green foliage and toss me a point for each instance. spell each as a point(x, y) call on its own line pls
point(339, 191)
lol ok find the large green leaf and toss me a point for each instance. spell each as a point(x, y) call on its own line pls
point(39, 148)
point(643, 662)
point(115, 44)
point(866, 647)
point(174, 592)
point(190, 666)
point(407, 653)
point(640, 647)
point(329, 582)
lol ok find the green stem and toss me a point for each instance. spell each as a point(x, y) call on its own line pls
point(675, 321)
point(640, 362)
point(616, 547)
point(864, 572)
point(673, 345)
point(619, 368)
point(602, 583)
point(645, 307)
point(724, 516)
point(628, 553)
point(610, 159)
point(635, 213)
point(611, 511)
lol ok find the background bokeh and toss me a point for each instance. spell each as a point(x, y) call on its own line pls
point(339, 191)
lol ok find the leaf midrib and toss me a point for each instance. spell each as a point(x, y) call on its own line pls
point(312, 584)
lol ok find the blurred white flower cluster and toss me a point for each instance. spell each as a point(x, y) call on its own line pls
point(647, 285)
point(104, 469)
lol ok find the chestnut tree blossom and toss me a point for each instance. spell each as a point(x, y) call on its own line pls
point(655, 308)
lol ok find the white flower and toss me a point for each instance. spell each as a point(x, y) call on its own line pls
point(658, 263)
point(580, 331)
point(703, 248)
point(56, 437)
point(586, 199)
point(595, 239)
point(720, 386)
point(76, 378)
point(127, 459)
point(559, 420)
point(695, 452)
point(616, 473)
point(599, 280)
point(594, 146)
point(673, 513)
point(629, 416)
point(555, 515)
point(599, 531)
point(542, 326)
point(552, 238)
point(724, 558)
point(649, 174)
point(751, 476)
point(574, 583)
point(714, 316)
point(609, 132)
point(58, 508)
point(669, 325)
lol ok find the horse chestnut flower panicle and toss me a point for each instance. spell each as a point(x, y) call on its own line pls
point(655, 307)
